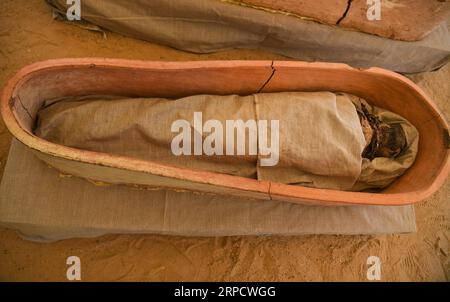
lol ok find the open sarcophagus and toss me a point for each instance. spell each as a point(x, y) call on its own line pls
point(27, 91)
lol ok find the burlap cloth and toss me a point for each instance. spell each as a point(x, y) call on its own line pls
point(320, 135)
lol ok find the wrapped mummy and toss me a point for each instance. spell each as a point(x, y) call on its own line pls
point(315, 139)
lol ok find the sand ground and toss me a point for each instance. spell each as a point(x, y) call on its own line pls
point(28, 34)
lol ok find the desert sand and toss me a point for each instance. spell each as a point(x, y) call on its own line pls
point(28, 34)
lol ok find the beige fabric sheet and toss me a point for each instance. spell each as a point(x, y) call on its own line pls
point(320, 135)
point(321, 152)
point(204, 26)
point(321, 139)
point(44, 206)
point(141, 128)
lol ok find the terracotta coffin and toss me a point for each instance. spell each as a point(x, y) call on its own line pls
point(26, 91)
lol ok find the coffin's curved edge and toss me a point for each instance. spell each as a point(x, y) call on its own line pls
point(440, 176)
point(275, 191)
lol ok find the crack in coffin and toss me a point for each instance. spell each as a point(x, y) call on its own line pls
point(268, 80)
point(349, 3)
